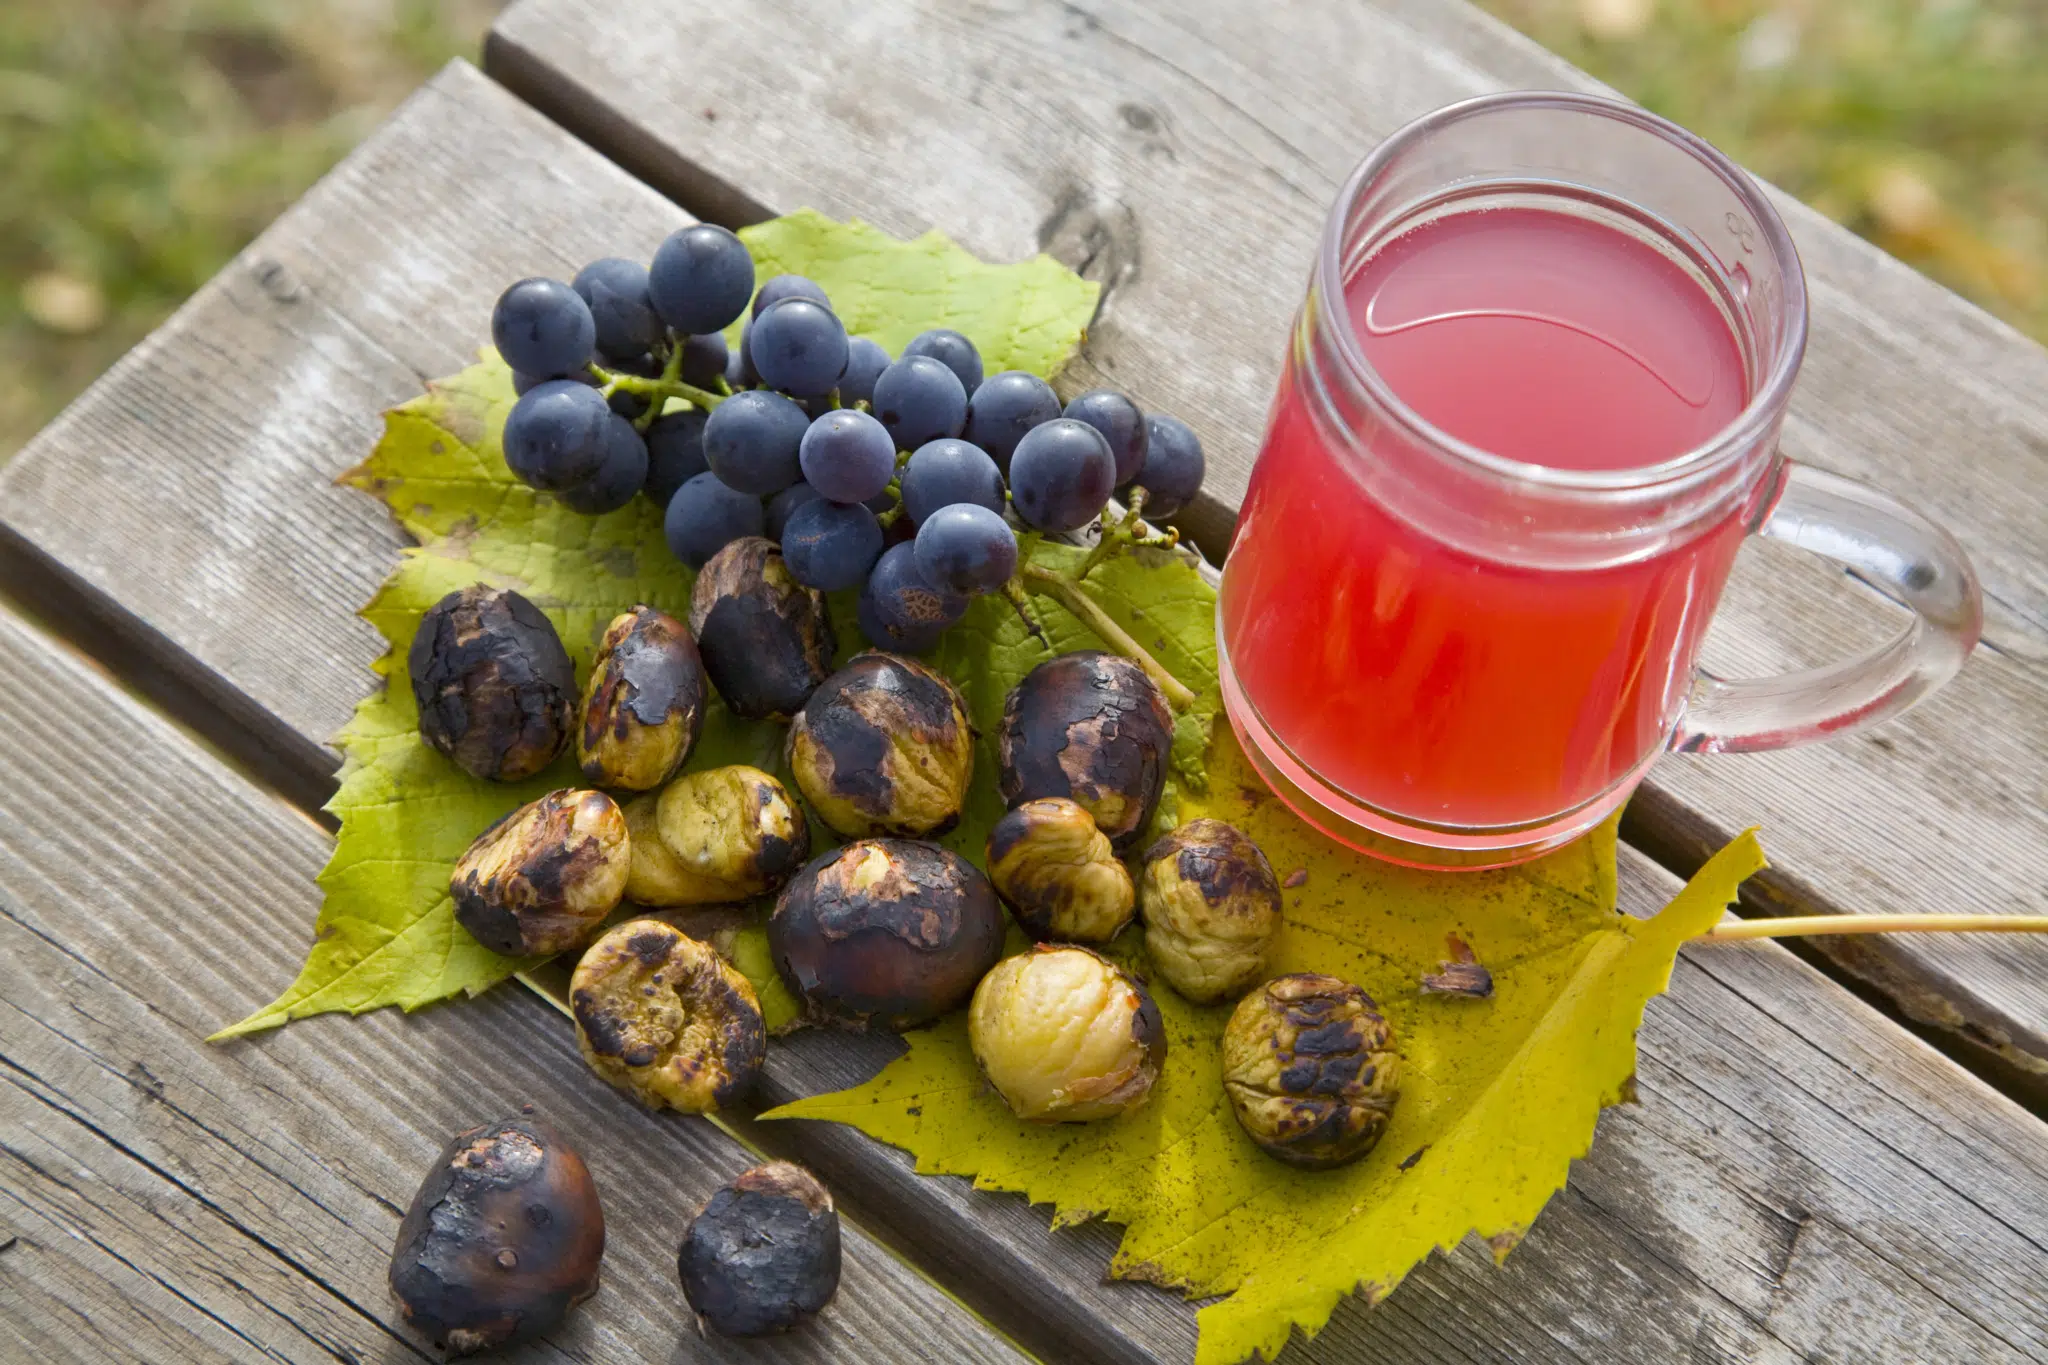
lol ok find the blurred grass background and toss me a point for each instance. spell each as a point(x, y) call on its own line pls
point(142, 142)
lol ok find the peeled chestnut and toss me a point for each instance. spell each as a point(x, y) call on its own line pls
point(1311, 1069)
point(765, 638)
point(1212, 910)
point(1092, 727)
point(541, 879)
point(644, 705)
point(495, 688)
point(502, 1240)
point(763, 1254)
point(883, 747)
point(885, 931)
point(1058, 874)
point(724, 834)
point(1065, 1035)
point(663, 1017)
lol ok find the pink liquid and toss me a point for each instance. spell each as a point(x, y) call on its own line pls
point(1440, 686)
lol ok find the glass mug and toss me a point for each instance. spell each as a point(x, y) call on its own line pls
point(1530, 410)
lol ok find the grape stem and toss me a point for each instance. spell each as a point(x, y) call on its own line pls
point(1735, 930)
point(1129, 530)
point(658, 389)
point(1069, 594)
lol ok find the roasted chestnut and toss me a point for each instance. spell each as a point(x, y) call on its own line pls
point(663, 1017)
point(763, 1254)
point(1058, 874)
point(1092, 727)
point(495, 688)
point(1066, 1035)
point(644, 705)
point(1311, 1069)
point(542, 878)
point(883, 747)
point(1212, 910)
point(724, 834)
point(885, 931)
point(502, 1240)
point(765, 638)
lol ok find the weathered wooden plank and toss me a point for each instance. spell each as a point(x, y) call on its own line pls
point(1185, 158)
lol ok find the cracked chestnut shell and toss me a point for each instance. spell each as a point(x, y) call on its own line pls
point(495, 688)
point(542, 878)
point(723, 834)
point(667, 1020)
point(1311, 1068)
point(765, 638)
point(502, 1240)
point(644, 706)
point(1212, 910)
point(884, 747)
point(885, 931)
point(1058, 874)
point(763, 1254)
point(1065, 1035)
point(1092, 727)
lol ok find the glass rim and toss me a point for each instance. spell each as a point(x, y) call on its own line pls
point(1765, 407)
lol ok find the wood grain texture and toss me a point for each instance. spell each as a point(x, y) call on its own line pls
point(1185, 156)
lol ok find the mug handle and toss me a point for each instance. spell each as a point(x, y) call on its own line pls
point(1895, 549)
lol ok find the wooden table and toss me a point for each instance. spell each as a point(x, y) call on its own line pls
point(1804, 1178)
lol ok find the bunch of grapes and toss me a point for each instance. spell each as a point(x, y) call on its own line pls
point(910, 479)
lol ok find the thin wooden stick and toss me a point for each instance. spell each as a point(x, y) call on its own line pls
point(1734, 930)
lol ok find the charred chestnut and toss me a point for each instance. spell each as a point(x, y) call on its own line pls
point(885, 931)
point(495, 688)
point(502, 1240)
point(644, 706)
point(765, 638)
point(1212, 910)
point(541, 879)
point(724, 834)
point(883, 747)
point(1092, 727)
point(663, 1017)
point(1311, 1069)
point(763, 1254)
point(1066, 1035)
point(1058, 874)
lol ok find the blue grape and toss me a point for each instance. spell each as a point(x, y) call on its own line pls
point(952, 350)
point(848, 456)
point(799, 346)
point(626, 405)
point(1005, 407)
point(904, 601)
point(831, 545)
point(783, 504)
point(616, 291)
point(705, 516)
point(739, 366)
point(943, 472)
point(675, 453)
point(700, 280)
point(522, 384)
point(1061, 475)
point(555, 435)
point(898, 639)
point(1174, 465)
point(966, 548)
point(704, 360)
point(543, 327)
point(865, 361)
point(618, 480)
point(1121, 424)
point(919, 400)
point(780, 287)
point(751, 440)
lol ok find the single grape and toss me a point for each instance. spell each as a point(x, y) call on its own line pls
point(522, 384)
point(919, 400)
point(799, 346)
point(904, 601)
point(704, 360)
point(622, 475)
point(555, 435)
point(616, 291)
point(848, 456)
point(705, 516)
point(543, 327)
point(1121, 424)
point(966, 548)
point(831, 545)
point(865, 361)
point(943, 472)
point(751, 440)
point(1174, 465)
point(1005, 407)
point(952, 350)
point(701, 279)
point(675, 453)
point(1061, 475)
point(780, 287)
point(783, 504)
point(898, 640)
point(626, 405)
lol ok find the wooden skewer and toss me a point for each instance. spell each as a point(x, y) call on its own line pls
point(1734, 930)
